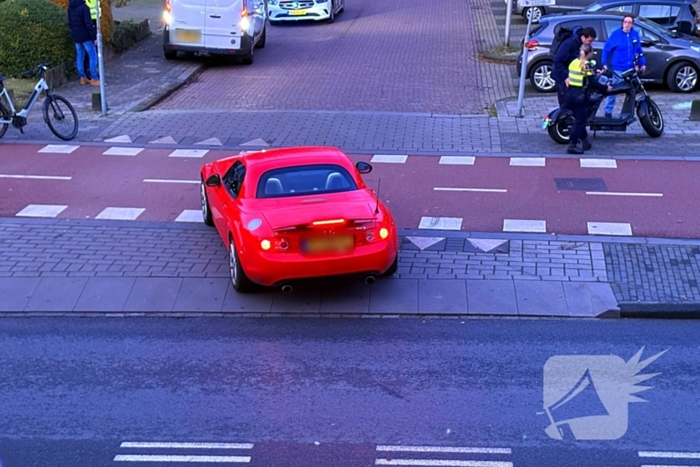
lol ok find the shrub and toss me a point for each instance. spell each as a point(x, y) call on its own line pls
point(106, 18)
point(33, 32)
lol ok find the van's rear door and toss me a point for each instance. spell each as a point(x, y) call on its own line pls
point(188, 23)
point(222, 22)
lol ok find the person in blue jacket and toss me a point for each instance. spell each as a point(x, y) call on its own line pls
point(84, 36)
point(618, 54)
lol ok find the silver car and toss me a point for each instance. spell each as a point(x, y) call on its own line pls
point(537, 12)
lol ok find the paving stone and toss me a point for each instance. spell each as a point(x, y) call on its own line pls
point(104, 294)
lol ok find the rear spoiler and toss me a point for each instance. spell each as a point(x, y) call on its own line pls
point(324, 223)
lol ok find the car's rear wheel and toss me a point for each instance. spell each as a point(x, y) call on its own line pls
point(239, 280)
point(248, 58)
point(541, 77)
point(261, 42)
point(331, 15)
point(393, 268)
point(682, 77)
point(170, 54)
point(536, 13)
point(206, 209)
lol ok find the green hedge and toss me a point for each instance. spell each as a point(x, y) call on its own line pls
point(33, 32)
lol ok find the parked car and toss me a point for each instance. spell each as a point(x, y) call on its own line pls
point(232, 27)
point(296, 214)
point(537, 12)
point(303, 10)
point(668, 13)
point(672, 58)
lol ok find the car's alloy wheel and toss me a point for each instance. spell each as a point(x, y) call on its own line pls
point(206, 210)
point(686, 78)
point(239, 280)
point(535, 12)
point(541, 78)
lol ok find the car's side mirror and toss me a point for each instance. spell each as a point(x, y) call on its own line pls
point(363, 167)
point(213, 180)
point(646, 41)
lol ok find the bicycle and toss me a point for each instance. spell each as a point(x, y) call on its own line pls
point(52, 108)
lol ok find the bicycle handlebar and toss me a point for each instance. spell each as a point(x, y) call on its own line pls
point(40, 69)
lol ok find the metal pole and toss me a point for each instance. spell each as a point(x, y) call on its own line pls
point(523, 69)
point(100, 60)
point(509, 14)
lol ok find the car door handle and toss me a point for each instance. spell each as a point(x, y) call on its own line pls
point(215, 16)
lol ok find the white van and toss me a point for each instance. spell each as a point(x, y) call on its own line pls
point(214, 27)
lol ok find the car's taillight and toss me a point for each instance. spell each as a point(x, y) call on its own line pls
point(328, 222)
point(374, 234)
point(167, 12)
point(277, 244)
point(532, 44)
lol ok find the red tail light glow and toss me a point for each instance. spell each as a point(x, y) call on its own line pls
point(532, 44)
point(330, 222)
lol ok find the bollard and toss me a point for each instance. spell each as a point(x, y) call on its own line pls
point(96, 101)
point(695, 111)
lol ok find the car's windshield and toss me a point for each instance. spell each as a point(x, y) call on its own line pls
point(305, 180)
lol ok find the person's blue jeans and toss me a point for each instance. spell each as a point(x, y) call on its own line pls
point(81, 50)
point(610, 100)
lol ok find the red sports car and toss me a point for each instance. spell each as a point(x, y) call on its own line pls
point(297, 213)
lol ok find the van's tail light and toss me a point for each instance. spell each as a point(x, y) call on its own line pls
point(532, 44)
point(167, 13)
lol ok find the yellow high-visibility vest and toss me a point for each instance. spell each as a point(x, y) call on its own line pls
point(576, 75)
point(92, 4)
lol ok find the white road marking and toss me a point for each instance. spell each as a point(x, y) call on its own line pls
point(177, 445)
point(670, 454)
point(165, 140)
point(457, 160)
point(599, 163)
point(388, 159)
point(36, 177)
point(619, 193)
point(122, 214)
point(211, 142)
point(609, 228)
point(163, 458)
point(58, 149)
point(256, 142)
point(41, 210)
point(189, 153)
point(190, 215)
point(468, 450)
point(528, 161)
point(424, 242)
point(442, 463)
point(479, 190)
point(164, 180)
point(441, 223)
point(486, 245)
point(119, 139)
point(117, 151)
point(522, 225)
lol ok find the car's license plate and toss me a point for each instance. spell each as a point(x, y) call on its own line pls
point(328, 244)
point(191, 36)
point(297, 12)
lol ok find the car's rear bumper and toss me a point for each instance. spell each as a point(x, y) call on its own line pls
point(274, 269)
point(242, 49)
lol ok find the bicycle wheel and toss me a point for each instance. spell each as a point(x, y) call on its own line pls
point(4, 115)
point(60, 116)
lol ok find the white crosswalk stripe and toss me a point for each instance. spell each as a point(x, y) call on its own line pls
point(436, 456)
point(164, 456)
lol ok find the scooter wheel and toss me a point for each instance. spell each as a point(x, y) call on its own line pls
point(559, 131)
point(650, 117)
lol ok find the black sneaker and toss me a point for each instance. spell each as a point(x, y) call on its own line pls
point(574, 149)
point(586, 145)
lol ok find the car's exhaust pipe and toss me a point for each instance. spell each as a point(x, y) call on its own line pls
point(286, 288)
point(370, 279)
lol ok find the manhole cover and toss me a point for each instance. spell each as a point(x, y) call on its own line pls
point(581, 184)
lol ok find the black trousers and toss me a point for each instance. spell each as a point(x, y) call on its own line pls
point(562, 93)
point(577, 102)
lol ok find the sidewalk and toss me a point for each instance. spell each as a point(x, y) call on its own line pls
point(90, 267)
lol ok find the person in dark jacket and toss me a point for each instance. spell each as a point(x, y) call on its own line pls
point(84, 36)
point(567, 52)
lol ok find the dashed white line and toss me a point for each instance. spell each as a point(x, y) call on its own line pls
point(117, 151)
point(468, 450)
point(58, 149)
point(122, 214)
point(457, 160)
point(442, 463)
point(190, 215)
point(36, 177)
point(41, 210)
point(599, 163)
point(163, 180)
point(189, 153)
point(478, 190)
point(178, 445)
point(528, 161)
point(441, 223)
point(620, 193)
point(670, 454)
point(166, 458)
point(389, 159)
point(523, 225)
point(609, 228)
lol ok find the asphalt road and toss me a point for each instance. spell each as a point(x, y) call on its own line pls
point(329, 392)
point(656, 198)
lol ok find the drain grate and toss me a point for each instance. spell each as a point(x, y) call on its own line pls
point(581, 184)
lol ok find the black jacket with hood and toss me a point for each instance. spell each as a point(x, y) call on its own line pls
point(80, 23)
point(567, 52)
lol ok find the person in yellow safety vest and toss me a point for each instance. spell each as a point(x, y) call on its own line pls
point(581, 79)
point(92, 5)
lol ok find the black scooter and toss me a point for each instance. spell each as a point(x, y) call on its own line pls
point(559, 122)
